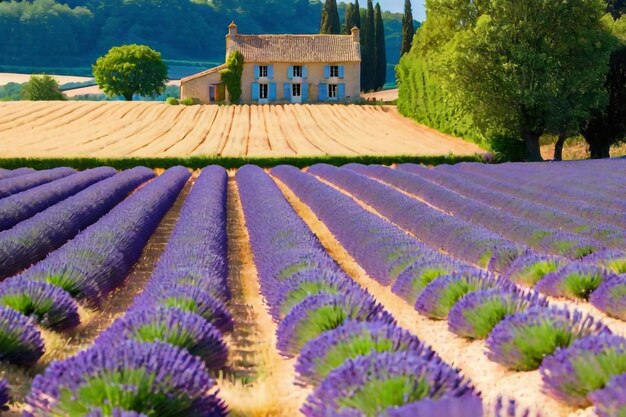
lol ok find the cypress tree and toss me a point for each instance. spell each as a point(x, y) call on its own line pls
point(369, 56)
point(349, 19)
point(357, 15)
point(380, 53)
point(408, 29)
point(330, 23)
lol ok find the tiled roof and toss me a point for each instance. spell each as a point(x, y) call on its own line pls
point(203, 73)
point(297, 48)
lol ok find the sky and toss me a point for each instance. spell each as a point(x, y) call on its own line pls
point(398, 6)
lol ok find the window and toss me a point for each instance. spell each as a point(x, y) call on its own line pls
point(263, 90)
point(332, 90)
point(334, 71)
point(296, 90)
point(263, 71)
point(297, 71)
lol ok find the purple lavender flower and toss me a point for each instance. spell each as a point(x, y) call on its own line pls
point(5, 394)
point(49, 305)
point(611, 401)
point(465, 406)
point(527, 270)
point(413, 280)
point(370, 385)
point(14, 185)
point(610, 297)
point(442, 294)
point(189, 299)
point(510, 408)
point(331, 349)
point(586, 366)
point(206, 279)
point(476, 314)
point(320, 313)
point(20, 341)
point(521, 341)
point(575, 281)
point(613, 260)
point(149, 378)
point(170, 325)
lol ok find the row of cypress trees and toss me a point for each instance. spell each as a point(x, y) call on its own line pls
point(370, 22)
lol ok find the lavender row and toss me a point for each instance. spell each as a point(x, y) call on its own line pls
point(535, 236)
point(6, 173)
point(519, 326)
point(349, 349)
point(31, 240)
point(174, 328)
point(459, 238)
point(14, 185)
point(21, 206)
point(607, 234)
point(578, 199)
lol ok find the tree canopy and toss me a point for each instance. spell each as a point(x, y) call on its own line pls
point(330, 18)
point(408, 29)
point(42, 88)
point(232, 76)
point(131, 69)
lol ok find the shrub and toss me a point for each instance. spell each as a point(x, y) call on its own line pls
point(5, 394)
point(527, 270)
point(20, 341)
point(149, 378)
point(613, 260)
point(332, 349)
point(610, 297)
point(370, 385)
point(575, 281)
point(172, 101)
point(412, 281)
point(521, 341)
point(465, 406)
point(571, 374)
point(320, 313)
point(49, 305)
point(611, 401)
point(443, 293)
point(170, 325)
point(116, 412)
point(476, 314)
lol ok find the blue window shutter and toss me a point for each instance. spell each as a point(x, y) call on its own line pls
point(305, 72)
point(326, 71)
point(323, 92)
point(272, 94)
point(341, 91)
point(270, 72)
point(341, 71)
point(287, 91)
point(255, 91)
point(256, 72)
point(290, 72)
point(305, 92)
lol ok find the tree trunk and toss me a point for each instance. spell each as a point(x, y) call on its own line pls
point(599, 150)
point(533, 151)
point(558, 147)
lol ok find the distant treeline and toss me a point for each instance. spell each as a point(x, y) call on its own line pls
point(71, 33)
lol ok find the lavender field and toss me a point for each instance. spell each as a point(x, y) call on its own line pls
point(456, 291)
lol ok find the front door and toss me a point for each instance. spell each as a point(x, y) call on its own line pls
point(296, 93)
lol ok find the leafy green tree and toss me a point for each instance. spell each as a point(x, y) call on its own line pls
point(408, 28)
point(330, 18)
point(42, 88)
point(380, 51)
point(232, 76)
point(131, 69)
point(533, 65)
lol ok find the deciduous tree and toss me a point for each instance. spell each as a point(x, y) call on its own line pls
point(131, 69)
point(42, 88)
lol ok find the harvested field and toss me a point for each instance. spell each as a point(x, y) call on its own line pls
point(140, 129)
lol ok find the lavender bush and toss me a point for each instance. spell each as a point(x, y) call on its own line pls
point(529, 269)
point(412, 281)
point(611, 401)
point(20, 341)
point(14, 185)
point(610, 297)
point(575, 281)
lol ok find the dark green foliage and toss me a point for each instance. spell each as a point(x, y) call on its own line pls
point(232, 76)
point(617, 8)
point(11, 91)
point(131, 69)
point(368, 49)
point(330, 18)
point(408, 30)
point(199, 162)
point(42, 88)
point(380, 51)
point(349, 20)
point(172, 101)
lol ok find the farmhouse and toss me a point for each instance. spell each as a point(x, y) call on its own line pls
point(286, 69)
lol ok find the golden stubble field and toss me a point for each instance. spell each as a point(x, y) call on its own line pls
point(143, 129)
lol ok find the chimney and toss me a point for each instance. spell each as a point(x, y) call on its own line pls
point(232, 29)
point(230, 39)
point(356, 35)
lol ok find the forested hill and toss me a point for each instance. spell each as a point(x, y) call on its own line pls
point(73, 33)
